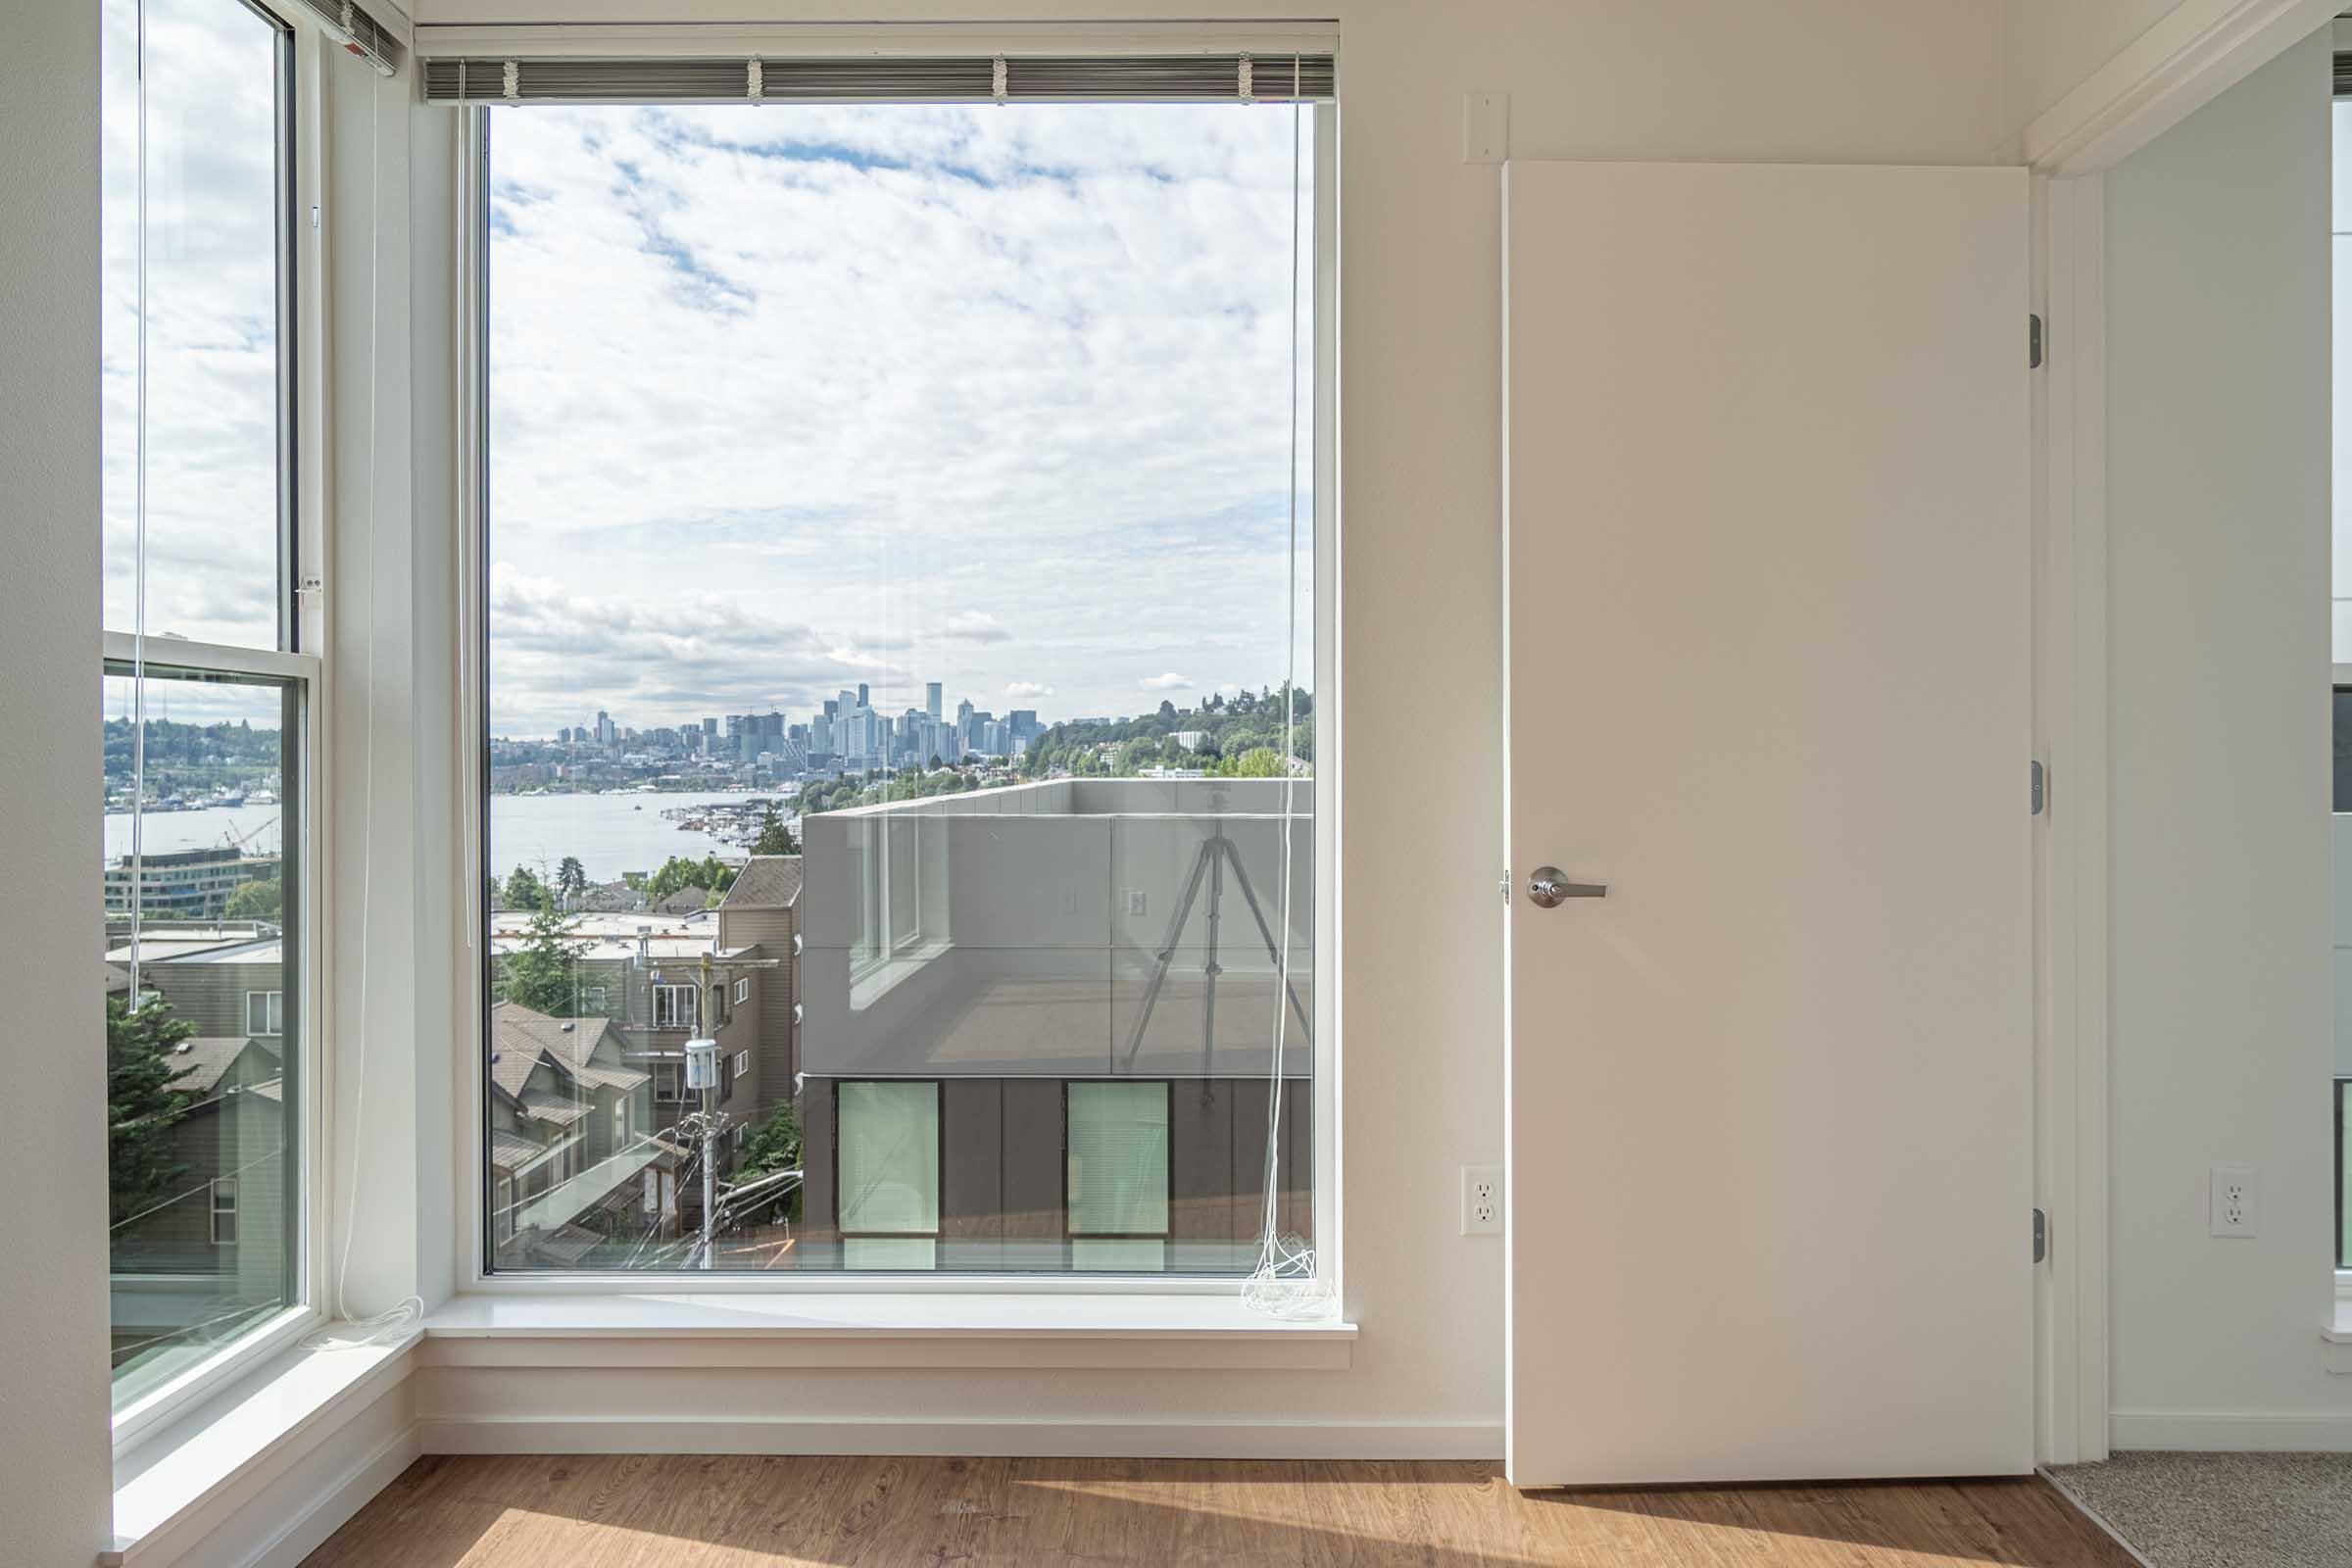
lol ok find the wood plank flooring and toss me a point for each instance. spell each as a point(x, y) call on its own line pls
point(745, 1511)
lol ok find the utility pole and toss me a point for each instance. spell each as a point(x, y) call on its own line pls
point(702, 1072)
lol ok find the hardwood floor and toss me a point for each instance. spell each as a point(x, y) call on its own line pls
point(738, 1512)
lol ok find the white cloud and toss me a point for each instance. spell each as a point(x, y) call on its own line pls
point(976, 626)
point(780, 399)
point(1170, 682)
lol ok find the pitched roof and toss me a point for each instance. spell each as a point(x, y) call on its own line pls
point(207, 1058)
point(765, 882)
point(520, 1036)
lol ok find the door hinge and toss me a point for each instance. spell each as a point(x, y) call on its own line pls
point(1507, 885)
point(2042, 1236)
point(2033, 342)
point(2040, 791)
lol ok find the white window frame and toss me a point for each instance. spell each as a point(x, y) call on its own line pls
point(670, 994)
point(743, 990)
point(470, 224)
point(743, 1064)
point(304, 73)
point(273, 1015)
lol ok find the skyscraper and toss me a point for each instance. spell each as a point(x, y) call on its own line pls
point(931, 698)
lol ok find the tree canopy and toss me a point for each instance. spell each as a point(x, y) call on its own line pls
point(774, 837)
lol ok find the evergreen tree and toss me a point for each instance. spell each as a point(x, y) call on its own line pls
point(774, 837)
point(540, 974)
point(572, 879)
point(141, 1106)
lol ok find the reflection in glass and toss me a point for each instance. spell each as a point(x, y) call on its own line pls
point(203, 1017)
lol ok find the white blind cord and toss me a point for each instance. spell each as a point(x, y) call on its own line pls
point(1286, 1283)
point(347, 1333)
point(138, 551)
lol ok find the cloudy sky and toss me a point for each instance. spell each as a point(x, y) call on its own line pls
point(782, 399)
point(212, 397)
point(792, 398)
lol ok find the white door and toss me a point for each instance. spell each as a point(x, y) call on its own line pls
point(1769, 1101)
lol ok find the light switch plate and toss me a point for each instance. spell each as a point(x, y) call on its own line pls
point(1486, 127)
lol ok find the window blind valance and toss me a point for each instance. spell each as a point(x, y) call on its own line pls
point(1015, 79)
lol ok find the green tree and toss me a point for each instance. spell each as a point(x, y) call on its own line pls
point(541, 973)
point(774, 837)
point(572, 879)
point(1259, 762)
point(711, 875)
point(264, 899)
point(525, 890)
point(774, 1145)
point(141, 1106)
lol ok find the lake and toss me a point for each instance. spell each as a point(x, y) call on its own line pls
point(610, 833)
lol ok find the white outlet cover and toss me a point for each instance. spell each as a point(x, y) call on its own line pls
point(2237, 1200)
point(1482, 1199)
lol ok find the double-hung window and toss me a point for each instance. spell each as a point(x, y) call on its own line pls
point(206, 700)
point(903, 545)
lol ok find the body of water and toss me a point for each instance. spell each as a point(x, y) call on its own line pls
point(610, 833)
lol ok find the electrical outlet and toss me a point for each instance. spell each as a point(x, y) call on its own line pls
point(2237, 1200)
point(1482, 1199)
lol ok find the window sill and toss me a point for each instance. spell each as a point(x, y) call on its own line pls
point(175, 1483)
point(684, 1329)
point(2336, 1340)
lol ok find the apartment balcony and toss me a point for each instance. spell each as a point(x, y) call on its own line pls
point(1076, 928)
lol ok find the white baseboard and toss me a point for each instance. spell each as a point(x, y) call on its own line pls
point(309, 1529)
point(1060, 1439)
point(2233, 1431)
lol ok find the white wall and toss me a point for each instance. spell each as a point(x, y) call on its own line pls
point(2054, 45)
point(2218, 474)
point(1834, 80)
point(54, 1464)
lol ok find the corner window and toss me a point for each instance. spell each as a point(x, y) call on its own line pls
point(743, 990)
point(204, 692)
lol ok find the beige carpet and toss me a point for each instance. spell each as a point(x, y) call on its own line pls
point(2223, 1510)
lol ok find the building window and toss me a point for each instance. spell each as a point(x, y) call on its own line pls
point(592, 998)
point(670, 1082)
point(1116, 1174)
point(887, 1159)
point(998, 844)
point(207, 678)
point(224, 1211)
point(673, 1006)
point(502, 1207)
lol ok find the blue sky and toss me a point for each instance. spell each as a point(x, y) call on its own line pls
point(782, 399)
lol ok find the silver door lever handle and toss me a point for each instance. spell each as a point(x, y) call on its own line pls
point(1548, 886)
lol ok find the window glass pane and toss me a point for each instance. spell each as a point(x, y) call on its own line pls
point(900, 549)
point(214, 345)
point(889, 1158)
point(202, 1008)
point(1119, 1182)
point(2343, 747)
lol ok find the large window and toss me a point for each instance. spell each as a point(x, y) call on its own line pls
point(900, 564)
point(203, 694)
